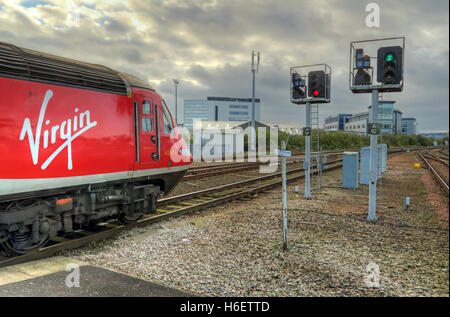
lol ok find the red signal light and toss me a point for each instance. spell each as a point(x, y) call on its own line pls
point(316, 93)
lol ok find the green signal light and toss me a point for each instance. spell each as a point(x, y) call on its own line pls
point(389, 57)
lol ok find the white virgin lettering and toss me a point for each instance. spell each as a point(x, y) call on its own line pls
point(66, 128)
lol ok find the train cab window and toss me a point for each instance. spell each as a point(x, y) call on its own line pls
point(147, 124)
point(146, 121)
point(146, 107)
point(168, 126)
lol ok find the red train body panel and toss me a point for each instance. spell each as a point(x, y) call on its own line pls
point(61, 134)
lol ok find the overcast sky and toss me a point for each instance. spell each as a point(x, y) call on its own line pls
point(207, 46)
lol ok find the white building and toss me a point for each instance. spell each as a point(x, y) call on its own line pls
point(220, 109)
point(292, 130)
point(331, 124)
point(357, 123)
point(336, 123)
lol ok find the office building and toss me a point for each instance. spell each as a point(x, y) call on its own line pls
point(409, 126)
point(357, 123)
point(335, 123)
point(220, 109)
point(389, 118)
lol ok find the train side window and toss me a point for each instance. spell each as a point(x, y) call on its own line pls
point(147, 124)
point(146, 107)
point(168, 126)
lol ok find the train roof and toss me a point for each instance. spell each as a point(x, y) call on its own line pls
point(32, 65)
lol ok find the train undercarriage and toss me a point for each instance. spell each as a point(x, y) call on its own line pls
point(27, 225)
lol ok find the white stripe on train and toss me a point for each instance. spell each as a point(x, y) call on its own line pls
point(15, 186)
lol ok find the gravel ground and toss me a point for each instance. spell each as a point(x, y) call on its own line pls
point(236, 249)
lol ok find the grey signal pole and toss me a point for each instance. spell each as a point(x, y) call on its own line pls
point(373, 173)
point(307, 162)
point(283, 175)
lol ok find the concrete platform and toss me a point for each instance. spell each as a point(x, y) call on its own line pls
point(47, 278)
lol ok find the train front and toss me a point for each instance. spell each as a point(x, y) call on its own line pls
point(180, 157)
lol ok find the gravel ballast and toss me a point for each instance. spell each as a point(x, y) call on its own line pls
point(236, 249)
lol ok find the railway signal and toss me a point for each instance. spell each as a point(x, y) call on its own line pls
point(389, 79)
point(362, 63)
point(317, 84)
point(298, 86)
point(389, 69)
point(311, 89)
point(362, 77)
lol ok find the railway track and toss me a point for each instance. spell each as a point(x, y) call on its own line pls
point(207, 171)
point(436, 158)
point(442, 154)
point(220, 170)
point(439, 178)
point(168, 208)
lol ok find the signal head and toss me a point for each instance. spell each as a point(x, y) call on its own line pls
point(298, 87)
point(390, 68)
point(389, 57)
point(317, 84)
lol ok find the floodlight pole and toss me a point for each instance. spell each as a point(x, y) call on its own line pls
point(373, 173)
point(176, 82)
point(252, 147)
point(255, 66)
point(307, 162)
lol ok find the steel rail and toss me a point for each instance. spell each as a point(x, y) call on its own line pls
point(226, 170)
point(435, 158)
point(196, 169)
point(436, 175)
point(203, 192)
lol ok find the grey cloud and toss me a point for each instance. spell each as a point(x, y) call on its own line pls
point(210, 42)
point(114, 26)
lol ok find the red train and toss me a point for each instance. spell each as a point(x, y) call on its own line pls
point(79, 143)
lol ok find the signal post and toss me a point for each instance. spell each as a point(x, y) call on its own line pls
point(389, 69)
point(310, 84)
point(307, 162)
point(373, 173)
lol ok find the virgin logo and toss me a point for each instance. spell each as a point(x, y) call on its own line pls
point(76, 125)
